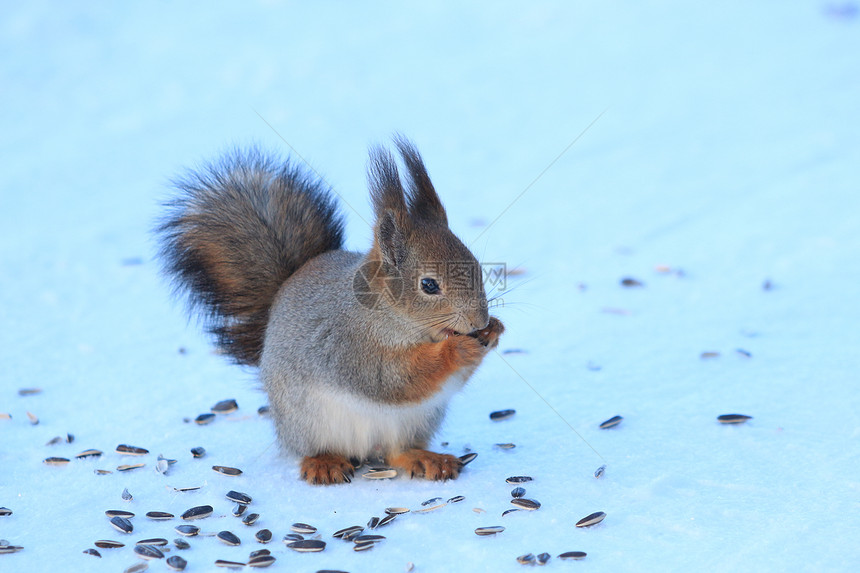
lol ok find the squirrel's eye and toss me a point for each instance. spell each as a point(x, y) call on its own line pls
point(430, 286)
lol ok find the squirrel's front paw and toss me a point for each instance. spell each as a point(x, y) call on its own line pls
point(429, 465)
point(489, 336)
point(326, 469)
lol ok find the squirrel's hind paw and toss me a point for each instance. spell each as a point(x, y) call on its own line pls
point(429, 465)
point(326, 469)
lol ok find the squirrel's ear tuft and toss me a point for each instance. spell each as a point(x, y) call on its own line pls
point(389, 236)
point(424, 204)
point(386, 191)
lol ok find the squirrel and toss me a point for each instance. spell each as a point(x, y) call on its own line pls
point(359, 353)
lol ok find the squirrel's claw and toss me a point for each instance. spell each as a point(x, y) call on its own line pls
point(326, 469)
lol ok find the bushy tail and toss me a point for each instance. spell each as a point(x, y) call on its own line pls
point(237, 229)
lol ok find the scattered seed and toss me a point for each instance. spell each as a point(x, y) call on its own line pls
point(492, 530)
point(744, 353)
point(251, 518)
point(54, 441)
point(187, 530)
point(227, 471)
point(29, 391)
point(159, 515)
point(456, 499)
point(518, 492)
point(4, 511)
point(303, 528)
point(121, 524)
point(436, 505)
point(733, 418)
point(230, 564)
point(239, 509)
point(10, 549)
point(507, 511)
point(161, 466)
point(89, 454)
point(181, 543)
point(307, 545)
point(396, 510)
point(363, 546)
point(56, 461)
point(500, 415)
point(176, 563)
point(154, 541)
point(592, 519)
point(263, 536)
point(527, 559)
point(374, 521)
point(386, 520)
point(119, 513)
point(228, 537)
point(573, 555)
point(92, 552)
point(70, 438)
point(290, 537)
point(108, 544)
point(204, 419)
point(102, 472)
point(127, 467)
point(131, 450)
point(33, 418)
point(380, 474)
point(631, 282)
point(184, 489)
point(225, 406)
point(611, 422)
point(363, 539)
point(431, 501)
point(598, 473)
point(341, 533)
point(259, 553)
point(514, 351)
point(261, 561)
point(519, 479)
point(126, 495)
point(466, 459)
point(198, 452)
point(507, 446)
point(479, 510)
point(239, 497)
point(524, 503)
point(141, 566)
point(263, 410)
point(543, 558)
point(709, 355)
point(198, 512)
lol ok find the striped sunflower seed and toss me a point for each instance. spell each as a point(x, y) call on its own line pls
point(527, 559)
point(307, 545)
point(573, 555)
point(4, 511)
point(92, 552)
point(225, 406)
point(431, 501)
point(181, 543)
point(239, 497)
point(88, 454)
point(518, 479)
point(466, 459)
point(396, 510)
point(261, 561)
point(611, 422)
point(148, 552)
point(127, 467)
point(131, 450)
point(518, 492)
point(187, 530)
point(456, 499)
point(204, 419)
point(506, 446)
point(228, 537)
point(500, 415)
point(159, 515)
point(363, 539)
point(239, 509)
point(263, 536)
point(733, 418)
point(54, 461)
point(198, 452)
point(108, 544)
point(386, 520)
point(290, 537)
point(121, 524)
point(373, 523)
point(258, 553)
point(303, 528)
point(346, 530)
point(229, 564)
point(119, 513)
point(176, 563)
point(524, 503)
point(507, 511)
point(140, 566)
point(227, 470)
point(598, 473)
point(251, 518)
point(592, 519)
point(491, 530)
point(197, 512)
point(126, 495)
point(154, 541)
point(10, 549)
point(543, 558)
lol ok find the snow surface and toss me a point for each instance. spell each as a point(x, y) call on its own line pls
point(727, 147)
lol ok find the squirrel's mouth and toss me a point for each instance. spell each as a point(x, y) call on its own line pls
point(450, 332)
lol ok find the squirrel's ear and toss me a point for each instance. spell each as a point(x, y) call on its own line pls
point(386, 191)
point(424, 202)
point(392, 243)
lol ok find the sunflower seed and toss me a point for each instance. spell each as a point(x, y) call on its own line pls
point(347, 530)
point(131, 450)
point(29, 391)
point(303, 528)
point(198, 512)
point(148, 552)
point(380, 474)
point(261, 561)
point(187, 530)
point(239, 497)
point(184, 489)
point(709, 355)
point(491, 530)
point(363, 546)
point(198, 452)
point(507, 446)
point(54, 441)
point(108, 544)
point(456, 499)
point(631, 282)
point(225, 406)
point(353, 534)
point(4, 511)
point(543, 558)
point(523, 503)
point(92, 552)
point(89, 454)
point(251, 518)
point(228, 537)
point(429, 508)
point(176, 563)
point(592, 519)
point(204, 419)
point(733, 418)
point(386, 520)
point(290, 537)
point(10, 549)
point(374, 521)
point(227, 471)
point(519, 479)
point(263, 536)
point(466, 459)
point(119, 513)
point(431, 501)
point(126, 496)
point(230, 564)
point(102, 472)
point(500, 415)
point(181, 543)
point(507, 511)
point(33, 418)
point(155, 542)
point(598, 473)
point(121, 524)
point(307, 545)
point(161, 466)
point(239, 509)
point(53, 461)
point(527, 559)
point(263, 410)
point(159, 515)
point(611, 422)
point(573, 555)
point(362, 539)
point(396, 510)
point(259, 553)
point(127, 467)
point(518, 492)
